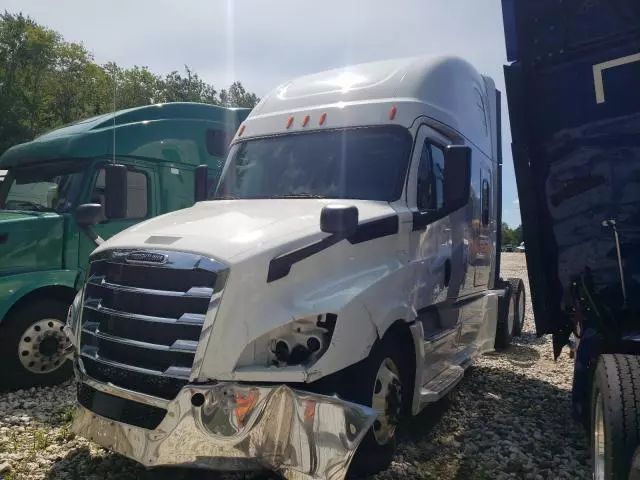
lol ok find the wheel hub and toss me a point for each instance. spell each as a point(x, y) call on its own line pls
point(387, 400)
point(41, 347)
point(49, 345)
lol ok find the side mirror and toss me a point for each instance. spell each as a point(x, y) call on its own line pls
point(200, 187)
point(340, 220)
point(88, 214)
point(457, 176)
point(115, 180)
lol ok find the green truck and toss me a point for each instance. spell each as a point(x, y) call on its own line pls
point(168, 154)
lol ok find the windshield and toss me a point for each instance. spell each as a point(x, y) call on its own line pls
point(42, 187)
point(358, 163)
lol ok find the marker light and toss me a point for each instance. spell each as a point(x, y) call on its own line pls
point(305, 122)
point(323, 118)
point(393, 112)
point(289, 122)
point(241, 129)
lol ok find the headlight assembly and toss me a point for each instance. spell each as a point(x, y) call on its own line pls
point(72, 328)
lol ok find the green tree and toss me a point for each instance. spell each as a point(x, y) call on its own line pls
point(519, 238)
point(187, 88)
point(46, 82)
point(73, 85)
point(27, 54)
point(237, 96)
point(508, 238)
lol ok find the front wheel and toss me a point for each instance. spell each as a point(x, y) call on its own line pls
point(381, 381)
point(32, 345)
point(615, 416)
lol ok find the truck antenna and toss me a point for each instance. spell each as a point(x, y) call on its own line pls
point(612, 223)
point(113, 130)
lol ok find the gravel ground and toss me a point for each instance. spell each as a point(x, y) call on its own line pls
point(509, 418)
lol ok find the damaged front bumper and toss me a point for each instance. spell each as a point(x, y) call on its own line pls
point(231, 426)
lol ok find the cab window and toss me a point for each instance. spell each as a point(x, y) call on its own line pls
point(137, 194)
point(430, 187)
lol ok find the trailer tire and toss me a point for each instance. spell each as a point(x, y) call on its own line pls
point(27, 336)
point(615, 416)
point(634, 473)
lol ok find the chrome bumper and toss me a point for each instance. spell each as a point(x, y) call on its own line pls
point(229, 426)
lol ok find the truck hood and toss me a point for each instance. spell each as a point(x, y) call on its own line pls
point(230, 230)
point(30, 241)
point(576, 148)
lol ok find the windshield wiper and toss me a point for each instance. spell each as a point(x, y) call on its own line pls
point(23, 203)
point(299, 195)
point(286, 195)
point(225, 197)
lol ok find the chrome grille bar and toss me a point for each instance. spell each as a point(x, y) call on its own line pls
point(145, 316)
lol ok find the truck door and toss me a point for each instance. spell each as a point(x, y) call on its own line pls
point(438, 266)
point(484, 234)
point(141, 204)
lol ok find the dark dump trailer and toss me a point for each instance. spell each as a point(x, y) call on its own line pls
point(573, 91)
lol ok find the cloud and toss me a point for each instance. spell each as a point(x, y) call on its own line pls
point(516, 202)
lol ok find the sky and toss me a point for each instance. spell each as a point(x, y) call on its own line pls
point(263, 43)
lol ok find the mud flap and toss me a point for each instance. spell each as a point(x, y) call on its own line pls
point(586, 354)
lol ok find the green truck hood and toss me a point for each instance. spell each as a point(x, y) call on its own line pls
point(30, 241)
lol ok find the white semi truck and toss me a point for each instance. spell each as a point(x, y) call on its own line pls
point(343, 274)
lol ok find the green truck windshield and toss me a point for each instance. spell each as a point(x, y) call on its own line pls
point(44, 187)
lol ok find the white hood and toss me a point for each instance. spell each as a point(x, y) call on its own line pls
point(226, 229)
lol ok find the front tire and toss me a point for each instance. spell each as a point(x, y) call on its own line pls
point(32, 344)
point(615, 416)
point(381, 381)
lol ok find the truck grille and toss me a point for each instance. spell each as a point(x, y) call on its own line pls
point(142, 316)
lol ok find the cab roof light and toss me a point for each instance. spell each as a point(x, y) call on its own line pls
point(393, 112)
point(241, 129)
point(289, 122)
point(305, 122)
point(323, 118)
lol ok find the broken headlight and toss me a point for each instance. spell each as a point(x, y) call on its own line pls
point(300, 342)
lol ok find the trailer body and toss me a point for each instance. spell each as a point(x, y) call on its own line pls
point(574, 107)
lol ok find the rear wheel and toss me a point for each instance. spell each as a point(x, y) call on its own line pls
point(32, 345)
point(615, 416)
point(504, 329)
point(519, 306)
point(511, 312)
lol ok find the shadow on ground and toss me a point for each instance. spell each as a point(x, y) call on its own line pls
point(521, 356)
point(530, 338)
point(81, 464)
point(497, 421)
